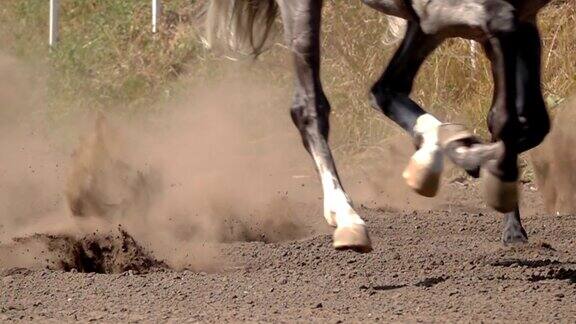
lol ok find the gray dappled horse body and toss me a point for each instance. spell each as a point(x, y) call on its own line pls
point(517, 120)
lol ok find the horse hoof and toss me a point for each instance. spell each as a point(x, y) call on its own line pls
point(500, 195)
point(423, 176)
point(354, 237)
point(514, 235)
point(463, 148)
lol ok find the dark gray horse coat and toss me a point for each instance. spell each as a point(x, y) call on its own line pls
point(518, 119)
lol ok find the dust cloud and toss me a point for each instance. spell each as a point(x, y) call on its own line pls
point(374, 178)
point(554, 161)
point(31, 169)
point(221, 164)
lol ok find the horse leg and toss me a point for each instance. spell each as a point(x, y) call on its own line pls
point(390, 95)
point(533, 122)
point(533, 119)
point(513, 231)
point(310, 112)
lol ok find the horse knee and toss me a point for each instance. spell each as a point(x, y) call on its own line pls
point(535, 131)
point(309, 115)
point(526, 132)
point(384, 93)
point(299, 117)
point(381, 98)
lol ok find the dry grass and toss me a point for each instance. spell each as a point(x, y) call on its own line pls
point(107, 57)
point(109, 60)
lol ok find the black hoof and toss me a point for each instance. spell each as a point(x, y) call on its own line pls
point(514, 234)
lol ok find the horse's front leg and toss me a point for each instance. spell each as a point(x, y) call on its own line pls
point(391, 96)
point(518, 116)
point(513, 231)
point(310, 112)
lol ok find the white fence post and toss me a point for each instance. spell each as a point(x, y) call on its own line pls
point(54, 17)
point(156, 12)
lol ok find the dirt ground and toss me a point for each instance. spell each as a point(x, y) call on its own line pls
point(225, 224)
point(445, 264)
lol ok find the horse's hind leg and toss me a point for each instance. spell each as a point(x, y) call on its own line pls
point(390, 94)
point(310, 112)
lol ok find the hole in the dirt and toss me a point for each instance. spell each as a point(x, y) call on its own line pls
point(95, 253)
point(388, 287)
point(524, 263)
point(429, 282)
point(555, 274)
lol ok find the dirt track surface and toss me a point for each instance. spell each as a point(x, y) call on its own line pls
point(446, 264)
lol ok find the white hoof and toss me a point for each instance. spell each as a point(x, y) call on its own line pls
point(353, 237)
point(423, 171)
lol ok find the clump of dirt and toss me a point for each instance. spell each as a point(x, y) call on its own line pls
point(94, 253)
point(554, 161)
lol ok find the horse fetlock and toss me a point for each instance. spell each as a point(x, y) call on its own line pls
point(499, 194)
point(340, 213)
point(350, 232)
point(352, 237)
point(425, 166)
point(424, 170)
point(514, 234)
point(330, 216)
point(338, 210)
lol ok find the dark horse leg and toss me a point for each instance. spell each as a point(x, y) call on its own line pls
point(310, 112)
point(518, 116)
point(390, 95)
point(524, 116)
point(513, 231)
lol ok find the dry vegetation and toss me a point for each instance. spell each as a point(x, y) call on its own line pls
point(109, 60)
point(356, 53)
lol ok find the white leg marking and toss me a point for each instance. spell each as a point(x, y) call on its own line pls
point(337, 208)
point(426, 165)
point(427, 126)
point(429, 153)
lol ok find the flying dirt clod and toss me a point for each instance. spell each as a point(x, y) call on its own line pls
point(100, 183)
